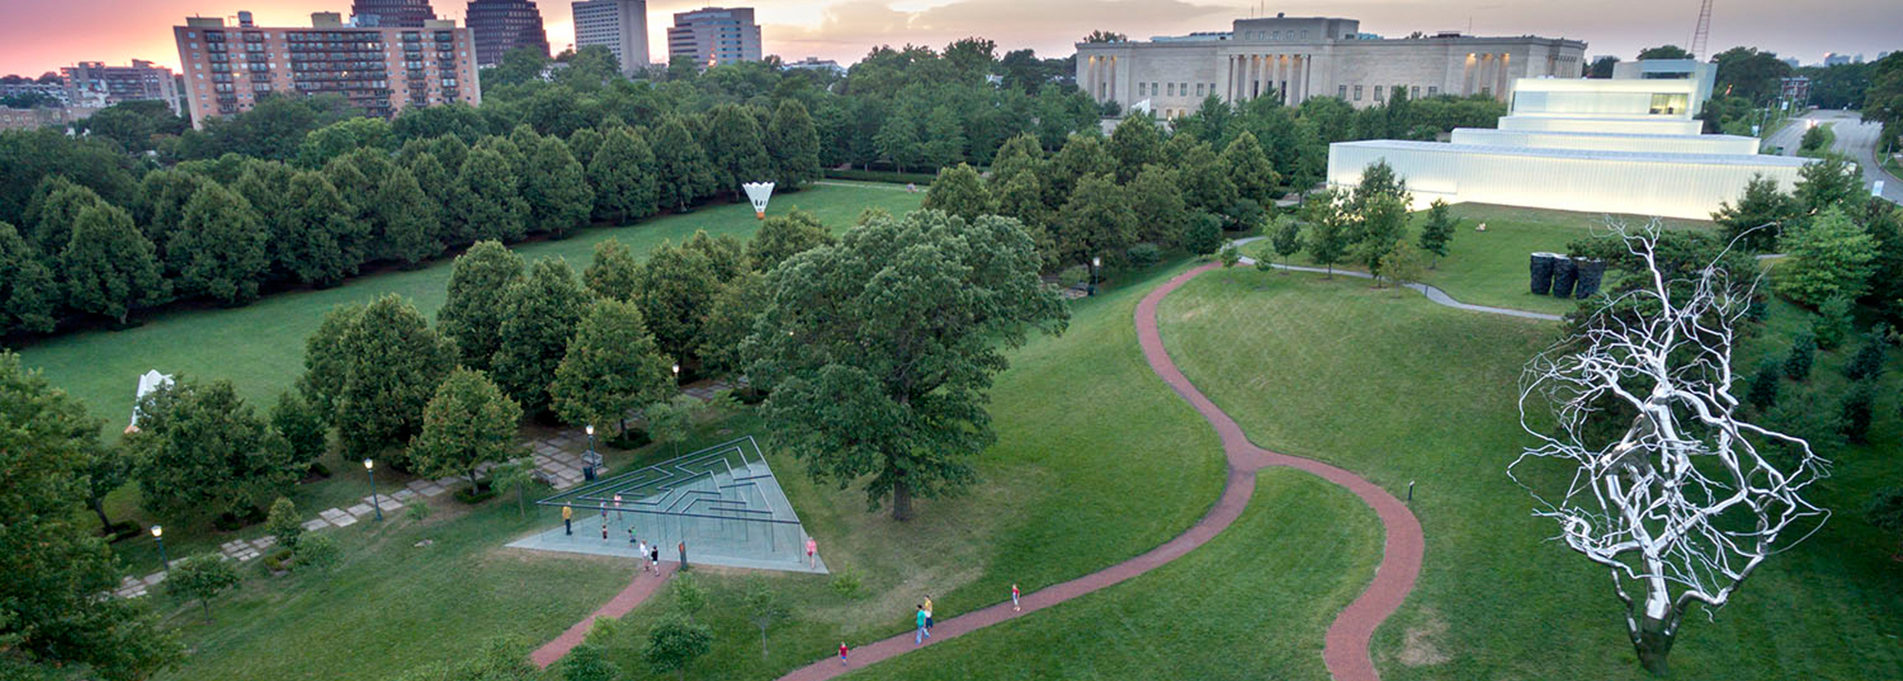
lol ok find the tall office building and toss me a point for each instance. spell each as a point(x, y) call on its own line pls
point(392, 13)
point(1295, 58)
point(715, 35)
point(619, 25)
point(382, 70)
point(503, 25)
point(92, 80)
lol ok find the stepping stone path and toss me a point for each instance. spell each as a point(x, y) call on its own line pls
point(558, 457)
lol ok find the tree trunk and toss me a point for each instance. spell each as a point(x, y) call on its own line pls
point(763, 654)
point(99, 508)
point(521, 505)
point(1652, 642)
point(901, 501)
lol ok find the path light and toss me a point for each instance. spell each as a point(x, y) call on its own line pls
point(158, 534)
point(375, 502)
point(1095, 262)
point(590, 459)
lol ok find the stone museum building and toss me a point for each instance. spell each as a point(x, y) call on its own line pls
point(1296, 58)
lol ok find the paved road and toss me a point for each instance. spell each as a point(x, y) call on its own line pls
point(1855, 139)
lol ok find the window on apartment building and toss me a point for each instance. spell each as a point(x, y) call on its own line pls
point(1183, 89)
point(1155, 89)
point(1140, 89)
point(1172, 89)
point(1357, 93)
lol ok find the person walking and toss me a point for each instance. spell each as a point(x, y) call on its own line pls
point(643, 556)
point(928, 614)
point(842, 653)
point(1014, 597)
point(654, 557)
point(918, 637)
point(604, 526)
point(811, 547)
point(568, 519)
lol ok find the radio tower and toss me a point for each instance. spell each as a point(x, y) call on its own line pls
point(1703, 32)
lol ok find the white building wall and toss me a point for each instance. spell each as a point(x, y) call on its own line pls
point(1686, 186)
point(1596, 141)
point(1640, 126)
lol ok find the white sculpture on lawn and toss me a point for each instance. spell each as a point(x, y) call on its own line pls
point(759, 193)
point(152, 380)
point(1683, 506)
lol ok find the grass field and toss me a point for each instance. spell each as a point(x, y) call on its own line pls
point(1096, 462)
point(1490, 268)
point(1399, 390)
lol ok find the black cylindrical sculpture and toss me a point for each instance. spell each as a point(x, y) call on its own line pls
point(1541, 268)
point(1591, 274)
point(1565, 273)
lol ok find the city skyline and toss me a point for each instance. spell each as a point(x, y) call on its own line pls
point(845, 30)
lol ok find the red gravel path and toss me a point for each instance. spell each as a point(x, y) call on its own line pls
point(1345, 650)
point(643, 586)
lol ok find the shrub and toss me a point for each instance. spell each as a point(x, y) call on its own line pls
point(846, 583)
point(1202, 234)
point(481, 492)
point(632, 438)
point(1803, 352)
point(1857, 407)
point(1832, 323)
point(284, 523)
point(1868, 362)
point(1764, 385)
point(588, 662)
point(417, 510)
point(278, 561)
point(319, 551)
point(1230, 255)
point(1072, 276)
point(1145, 255)
point(200, 578)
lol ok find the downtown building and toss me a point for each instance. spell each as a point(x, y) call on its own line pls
point(503, 25)
point(712, 36)
point(619, 25)
point(381, 70)
point(92, 81)
point(1296, 58)
point(392, 13)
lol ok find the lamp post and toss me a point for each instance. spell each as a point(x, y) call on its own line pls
point(158, 535)
point(677, 370)
point(591, 459)
point(1095, 262)
point(375, 502)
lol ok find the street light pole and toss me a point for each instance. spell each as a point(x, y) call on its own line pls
point(158, 534)
point(376, 502)
point(591, 458)
point(1095, 262)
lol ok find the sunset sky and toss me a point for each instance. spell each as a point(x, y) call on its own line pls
point(42, 35)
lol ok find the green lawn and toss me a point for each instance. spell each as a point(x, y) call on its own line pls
point(1399, 390)
point(1096, 461)
point(1490, 268)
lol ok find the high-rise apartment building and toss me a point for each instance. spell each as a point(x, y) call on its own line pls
point(392, 13)
point(715, 35)
point(383, 70)
point(619, 25)
point(92, 80)
point(503, 25)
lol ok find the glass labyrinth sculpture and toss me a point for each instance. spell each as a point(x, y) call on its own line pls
point(1687, 500)
point(759, 193)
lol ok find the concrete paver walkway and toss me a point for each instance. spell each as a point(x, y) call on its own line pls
point(1345, 648)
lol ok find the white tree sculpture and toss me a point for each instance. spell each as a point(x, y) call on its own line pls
point(1685, 505)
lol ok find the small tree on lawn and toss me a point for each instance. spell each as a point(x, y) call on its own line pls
point(1764, 385)
point(764, 608)
point(689, 597)
point(671, 421)
point(1285, 236)
point(589, 662)
point(1803, 352)
point(1328, 229)
point(1404, 264)
point(1829, 257)
point(1886, 512)
point(514, 476)
point(1868, 362)
point(1229, 255)
point(1832, 322)
point(1858, 405)
point(675, 643)
point(1437, 232)
point(468, 423)
point(284, 523)
point(319, 551)
point(201, 578)
point(1202, 234)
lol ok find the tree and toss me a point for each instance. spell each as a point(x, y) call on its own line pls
point(622, 173)
point(301, 430)
point(221, 245)
point(1403, 264)
point(942, 138)
point(1437, 231)
point(490, 202)
point(473, 312)
point(1857, 406)
point(1096, 221)
point(406, 223)
point(1328, 228)
point(1378, 227)
point(671, 420)
point(340, 138)
point(1885, 511)
point(318, 550)
point(675, 289)
point(1760, 216)
point(589, 662)
point(28, 294)
point(675, 643)
point(1601, 68)
point(1229, 256)
point(1829, 257)
point(284, 523)
point(327, 360)
point(681, 166)
point(1202, 234)
point(1797, 364)
point(1244, 162)
point(1102, 36)
point(898, 141)
point(393, 363)
point(106, 472)
point(55, 620)
point(1867, 364)
point(1664, 52)
point(540, 315)
point(439, 187)
point(201, 578)
point(308, 242)
point(793, 143)
point(199, 446)
point(614, 273)
point(844, 344)
point(1832, 322)
point(1683, 505)
point(1762, 393)
point(612, 367)
point(1285, 236)
point(468, 423)
point(784, 236)
point(1134, 144)
point(1205, 182)
point(1157, 204)
point(514, 476)
point(1750, 74)
point(736, 150)
point(1827, 182)
point(764, 608)
point(556, 189)
point(959, 191)
point(109, 267)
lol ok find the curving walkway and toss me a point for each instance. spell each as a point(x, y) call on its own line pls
point(637, 591)
point(1345, 648)
point(1434, 294)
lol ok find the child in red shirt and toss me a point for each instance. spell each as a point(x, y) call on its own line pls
point(842, 653)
